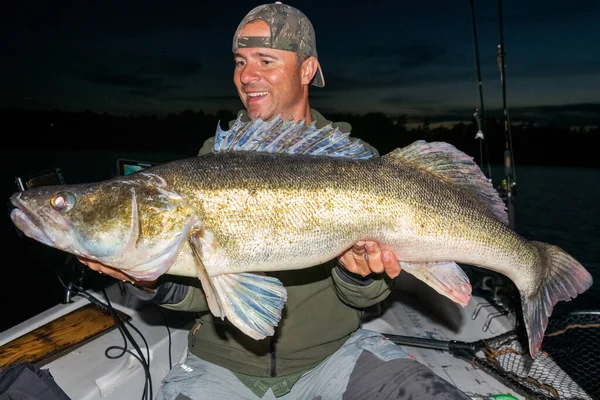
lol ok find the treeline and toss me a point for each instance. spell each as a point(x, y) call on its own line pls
point(186, 131)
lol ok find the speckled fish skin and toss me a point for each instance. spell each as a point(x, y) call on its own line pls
point(223, 215)
point(263, 217)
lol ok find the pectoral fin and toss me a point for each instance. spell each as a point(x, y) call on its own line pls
point(252, 302)
point(196, 243)
point(446, 278)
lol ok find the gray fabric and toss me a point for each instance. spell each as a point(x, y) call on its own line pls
point(373, 378)
point(24, 381)
point(366, 367)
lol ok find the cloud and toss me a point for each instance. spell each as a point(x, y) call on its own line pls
point(319, 96)
point(380, 66)
point(204, 98)
point(439, 115)
point(557, 68)
point(543, 10)
point(171, 67)
point(168, 97)
point(156, 85)
point(538, 12)
point(144, 77)
point(218, 98)
point(407, 56)
point(400, 100)
point(581, 113)
point(394, 78)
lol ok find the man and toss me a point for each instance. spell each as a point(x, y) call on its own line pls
point(318, 350)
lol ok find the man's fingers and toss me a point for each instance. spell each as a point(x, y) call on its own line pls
point(347, 261)
point(390, 264)
point(104, 269)
point(374, 257)
point(354, 260)
point(361, 259)
point(84, 261)
point(365, 258)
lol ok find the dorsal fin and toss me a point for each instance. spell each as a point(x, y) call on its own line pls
point(455, 167)
point(278, 136)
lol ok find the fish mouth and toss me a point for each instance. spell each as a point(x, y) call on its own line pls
point(30, 223)
point(28, 227)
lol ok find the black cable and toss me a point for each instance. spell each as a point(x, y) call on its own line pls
point(126, 335)
point(78, 290)
point(143, 339)
point(146, 364)
point(168, 332)
point(144, 361)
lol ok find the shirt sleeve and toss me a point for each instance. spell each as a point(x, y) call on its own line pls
point(174, 296)
point(360, 292)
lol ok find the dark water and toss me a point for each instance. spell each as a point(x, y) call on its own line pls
point(558, 205)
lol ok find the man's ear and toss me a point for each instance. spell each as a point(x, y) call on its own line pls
point(308, 69)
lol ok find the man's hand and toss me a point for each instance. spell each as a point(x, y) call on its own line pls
point(115, 273)
point(365, 258)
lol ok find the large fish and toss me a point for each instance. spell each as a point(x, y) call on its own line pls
point(281, 195)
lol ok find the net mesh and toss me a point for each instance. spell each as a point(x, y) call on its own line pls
point(567, 368)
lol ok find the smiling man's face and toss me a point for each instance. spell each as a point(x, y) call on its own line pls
point(270, 82)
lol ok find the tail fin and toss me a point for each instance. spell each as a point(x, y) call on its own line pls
point(566, 278)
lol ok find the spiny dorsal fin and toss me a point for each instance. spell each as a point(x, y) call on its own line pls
point(453, 166)
point(278, 136)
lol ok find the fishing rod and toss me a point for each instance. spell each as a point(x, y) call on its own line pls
point(509, 182)
point(480, 113)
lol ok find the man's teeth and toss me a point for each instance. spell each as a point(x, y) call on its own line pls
point(256, 94)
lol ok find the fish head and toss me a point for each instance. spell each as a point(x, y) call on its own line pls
point(130, 224)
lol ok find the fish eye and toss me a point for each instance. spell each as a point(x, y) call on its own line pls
point(63, 201)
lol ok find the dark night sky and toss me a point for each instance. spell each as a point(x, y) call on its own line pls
point(414, 58)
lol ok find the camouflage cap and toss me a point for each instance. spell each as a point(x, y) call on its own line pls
point(291, 30)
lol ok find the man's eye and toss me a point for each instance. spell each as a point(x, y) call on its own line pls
point(239, 64)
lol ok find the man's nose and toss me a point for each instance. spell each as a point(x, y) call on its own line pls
point(249, 74)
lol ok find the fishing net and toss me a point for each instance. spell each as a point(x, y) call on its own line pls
point(567, 368)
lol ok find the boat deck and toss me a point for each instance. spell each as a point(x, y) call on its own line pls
point(418, 311)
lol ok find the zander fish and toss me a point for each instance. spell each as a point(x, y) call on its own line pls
point(280, 195)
